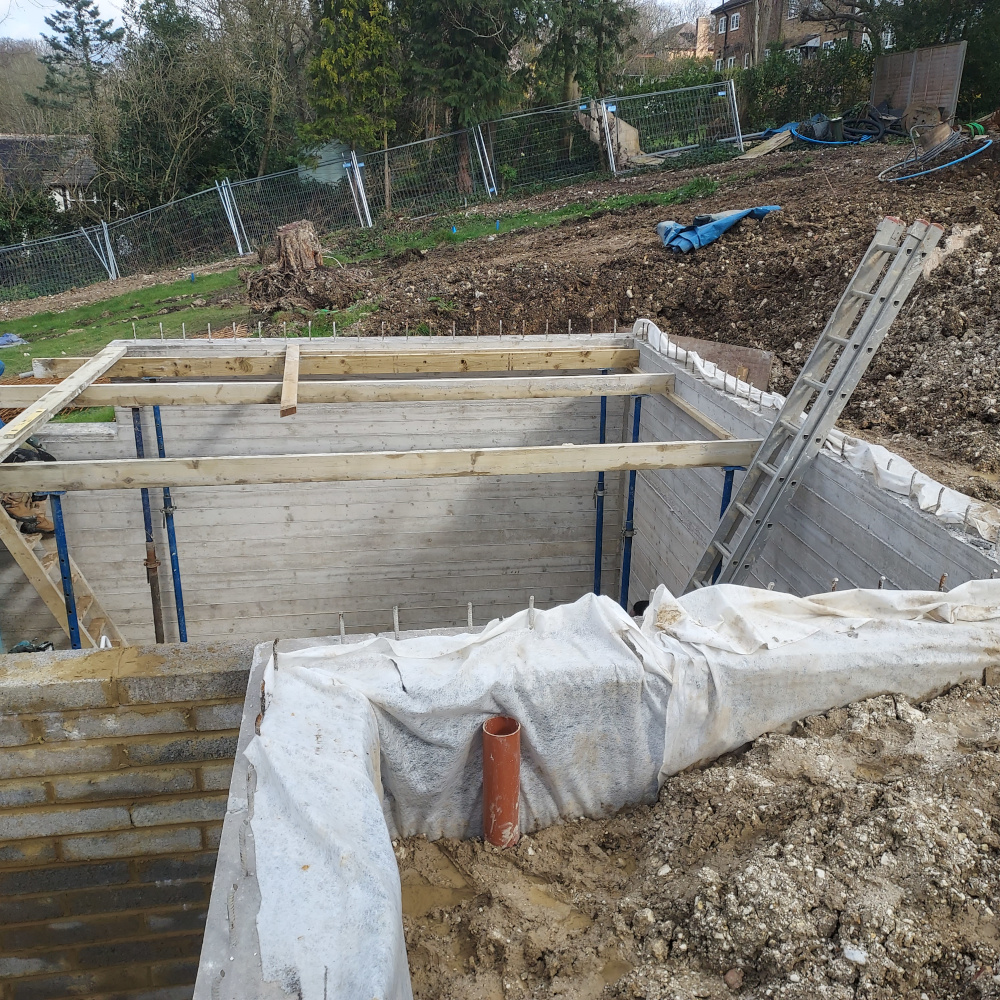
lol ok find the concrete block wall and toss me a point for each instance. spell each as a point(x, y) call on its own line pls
point(838, 524)
point(262, 562)
point(114, 776)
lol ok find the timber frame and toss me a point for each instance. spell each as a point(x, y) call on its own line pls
point(292, 374)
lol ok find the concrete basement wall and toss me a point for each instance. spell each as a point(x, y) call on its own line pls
point(839, 523)
point(114, 775)
point(265, 561)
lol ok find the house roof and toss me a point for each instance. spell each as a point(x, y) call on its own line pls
point(46, 161)
point(725, 8)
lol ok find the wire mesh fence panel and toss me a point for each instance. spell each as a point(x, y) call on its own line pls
point(424, 177)
point(194, 229)
point(645, 127)
point(44, 267)
point(546, 146)
point(322, 194)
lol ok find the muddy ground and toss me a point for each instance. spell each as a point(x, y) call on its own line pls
point(856, 859)
point(935, 384)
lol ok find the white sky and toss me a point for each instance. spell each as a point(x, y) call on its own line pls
point(26, 18)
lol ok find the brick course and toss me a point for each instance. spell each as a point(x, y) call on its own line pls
point(114, 774)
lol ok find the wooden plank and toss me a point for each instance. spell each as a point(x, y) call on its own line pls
point(176, 472)
point(290, 381)
point(731, 358)
point(360, 363)
point(31, 419)
point(381, 391)
point(694, 413)
point(776, 141)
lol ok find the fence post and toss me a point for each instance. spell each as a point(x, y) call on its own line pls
point(607, 138)
point(100, 254)
point(227, 184)
point(110, 250)
point(731, 88)
point(229, 217)
point(361, 191)
point(484, 161)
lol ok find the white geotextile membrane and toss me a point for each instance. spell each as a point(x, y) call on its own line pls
point(890, 471)
point(365, 741)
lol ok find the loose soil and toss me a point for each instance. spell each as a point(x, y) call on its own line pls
point(856, 859)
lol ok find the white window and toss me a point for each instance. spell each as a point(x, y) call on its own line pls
point(731, 62)
point(718, 64)
point(767, 53)
point(829, 45)
point(746, 61)
point(722, 26)
point(734, 22)
point(793, 10)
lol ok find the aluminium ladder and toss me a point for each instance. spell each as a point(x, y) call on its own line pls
point(37, 556)
point(817, 398)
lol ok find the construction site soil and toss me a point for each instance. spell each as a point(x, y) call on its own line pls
point(771, 284)
point(857, 857)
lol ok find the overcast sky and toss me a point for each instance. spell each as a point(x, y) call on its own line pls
point(26, 18)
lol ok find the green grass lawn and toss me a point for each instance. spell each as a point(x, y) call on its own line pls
point(193, 305)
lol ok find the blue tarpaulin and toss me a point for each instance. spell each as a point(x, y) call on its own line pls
point(706, 229)
point(9, 339)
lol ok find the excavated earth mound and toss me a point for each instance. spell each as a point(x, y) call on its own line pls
point(856, 859)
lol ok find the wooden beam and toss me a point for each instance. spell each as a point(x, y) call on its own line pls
point(695, 414)
point(229, 471)
point(30, 420)
point(360, 363)
point(375, 391)
point(290, 381)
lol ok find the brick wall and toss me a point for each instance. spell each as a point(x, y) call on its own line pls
point(114, 774)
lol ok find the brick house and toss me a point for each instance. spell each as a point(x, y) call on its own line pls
point(744, 31)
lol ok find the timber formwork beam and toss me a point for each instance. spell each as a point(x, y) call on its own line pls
point(187, 393)
point(398, 362)
point(348, 466)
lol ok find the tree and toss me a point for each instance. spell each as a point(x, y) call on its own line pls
point(80, 47)
point(355, 80)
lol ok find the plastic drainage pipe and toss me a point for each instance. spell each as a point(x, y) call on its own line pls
point(599, 499)
point(65, 570)
point(629, 530)
point(152, 563)
point(502, 780)
point(168, 516)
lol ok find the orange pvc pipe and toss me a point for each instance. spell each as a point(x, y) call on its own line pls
point(502, 780)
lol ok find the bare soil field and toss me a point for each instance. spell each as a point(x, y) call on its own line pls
point(857, 858)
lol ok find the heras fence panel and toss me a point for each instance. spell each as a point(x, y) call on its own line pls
point(324, 194)
point(191, 230)
point(545, 146)
point(646, 128)
point(44, 267)
point(432, 175)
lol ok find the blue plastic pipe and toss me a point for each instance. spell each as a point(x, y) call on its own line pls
point(168, 514)
point(152, 563)
point(629, 512)
point(65, 571)
point(727, 485)
point(599, 499)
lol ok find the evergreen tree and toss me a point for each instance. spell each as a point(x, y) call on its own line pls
point(80, 46)
point(355, 82)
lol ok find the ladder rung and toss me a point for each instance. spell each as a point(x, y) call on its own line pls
point(48, 560)
point(885, 247)
point(868, 296)
point(723, 551)
point(96, 627)
point(843, 341)
point(790, 425)
point(83, 605)
point(768, 470)
point(744, 509)
point(814, 383)
point(32, 539)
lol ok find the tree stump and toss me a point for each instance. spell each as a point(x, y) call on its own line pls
point(298, 247)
